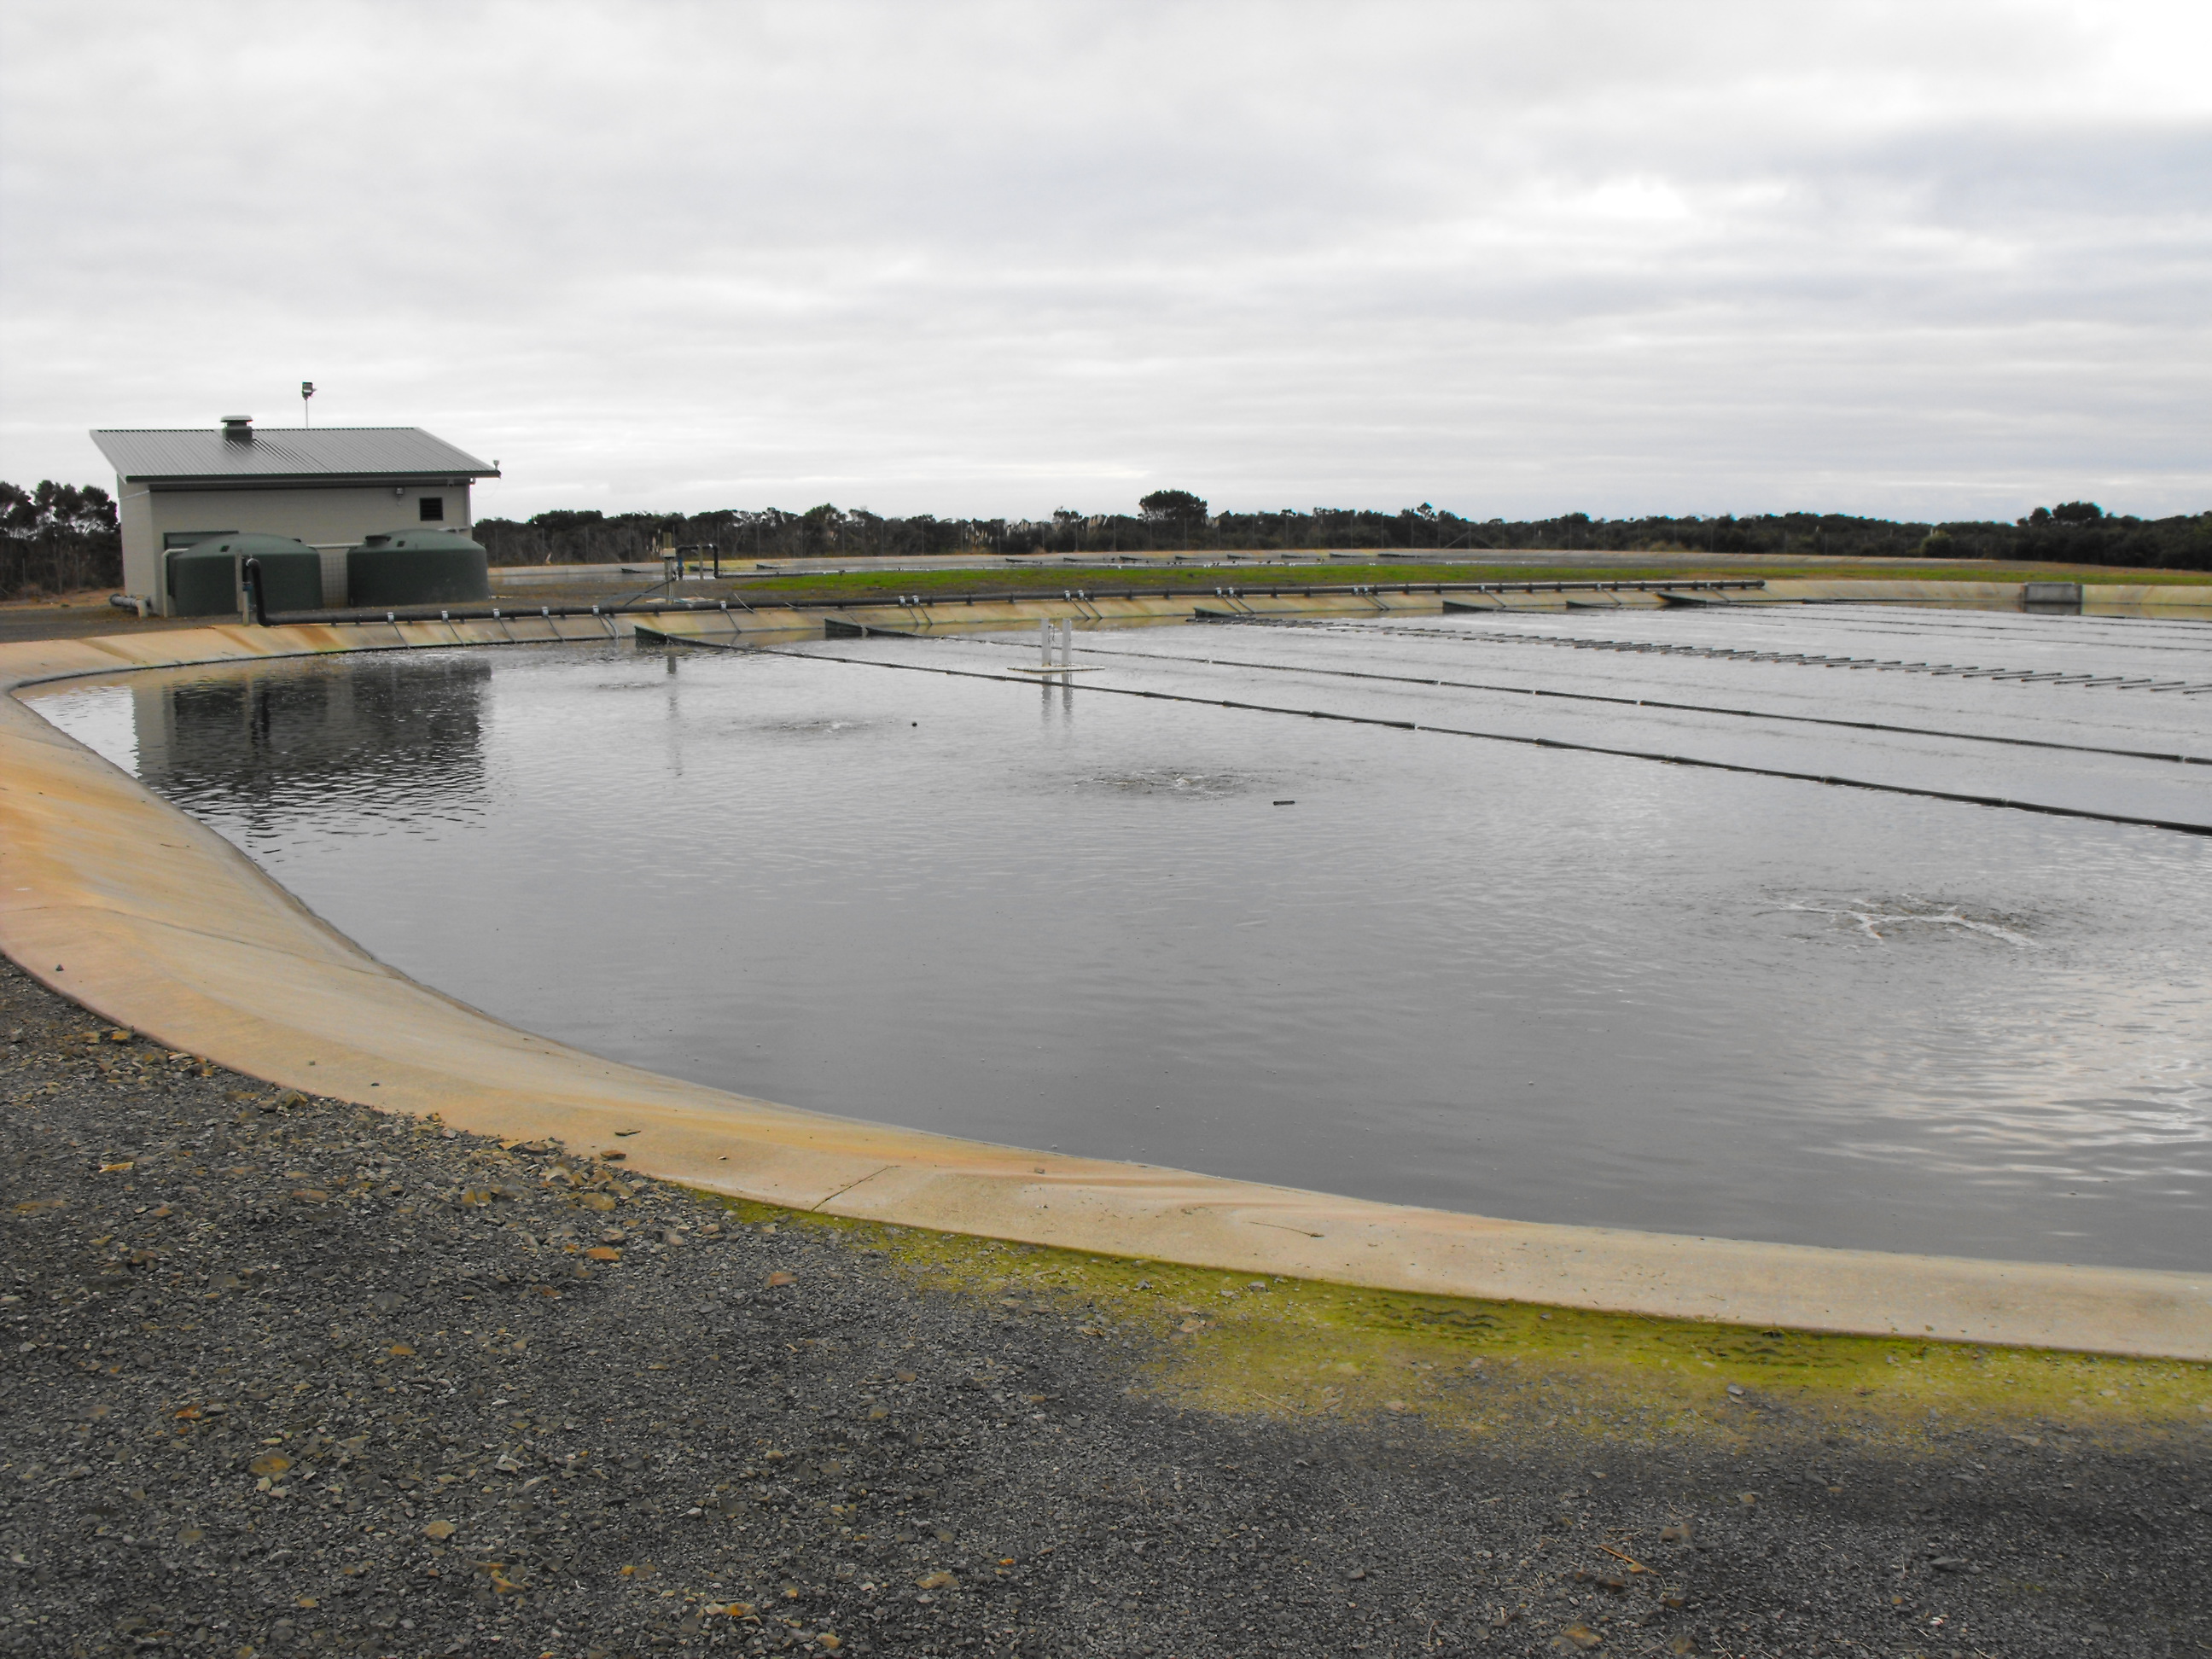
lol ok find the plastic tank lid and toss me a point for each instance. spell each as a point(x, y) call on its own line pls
point(422, 541)
point(253, 543)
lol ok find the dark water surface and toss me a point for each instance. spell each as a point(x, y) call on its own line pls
point(1524, 981)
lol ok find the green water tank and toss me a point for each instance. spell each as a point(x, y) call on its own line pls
point(417, 566)
point(203, 579)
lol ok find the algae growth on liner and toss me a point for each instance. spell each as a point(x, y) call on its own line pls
point(1519, 1373)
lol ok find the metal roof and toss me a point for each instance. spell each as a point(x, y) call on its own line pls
point(305, 453)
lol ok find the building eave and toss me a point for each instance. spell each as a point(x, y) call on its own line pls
point(295, 480)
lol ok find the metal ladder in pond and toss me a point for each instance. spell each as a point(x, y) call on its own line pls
point(1045, 664)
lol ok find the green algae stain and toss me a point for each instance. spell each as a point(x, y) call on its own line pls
point(1514, 1368)
point(1241, 1343)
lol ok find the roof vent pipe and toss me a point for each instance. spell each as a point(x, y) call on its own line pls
point(237, 428)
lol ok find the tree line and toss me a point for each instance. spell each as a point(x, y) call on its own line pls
point(1177, 521)
point(63, 538)
point(58, 538)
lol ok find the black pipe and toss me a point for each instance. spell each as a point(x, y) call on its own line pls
point(257, 607)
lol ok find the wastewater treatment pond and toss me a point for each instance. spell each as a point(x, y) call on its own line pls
point(1401, 951)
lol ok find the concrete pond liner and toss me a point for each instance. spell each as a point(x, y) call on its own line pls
point(155, 922)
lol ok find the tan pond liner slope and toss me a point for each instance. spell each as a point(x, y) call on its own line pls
point(121, 902)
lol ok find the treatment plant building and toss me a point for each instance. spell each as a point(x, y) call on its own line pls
point(330, 486)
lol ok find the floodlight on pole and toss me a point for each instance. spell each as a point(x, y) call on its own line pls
point(306, 391)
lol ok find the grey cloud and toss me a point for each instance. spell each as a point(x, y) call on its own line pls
point(1001, 258)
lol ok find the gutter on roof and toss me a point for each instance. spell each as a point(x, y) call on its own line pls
point(253, 480)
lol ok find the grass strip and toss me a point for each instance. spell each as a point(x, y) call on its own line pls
point(1055, 579)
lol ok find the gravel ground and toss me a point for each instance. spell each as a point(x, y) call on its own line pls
point(284, 1375)
point(75, 615)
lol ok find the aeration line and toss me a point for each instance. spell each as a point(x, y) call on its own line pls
point(1464, 732)
point(1640, 703)
point(1652, 648)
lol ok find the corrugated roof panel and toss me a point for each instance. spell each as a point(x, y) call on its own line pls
point(350, 452)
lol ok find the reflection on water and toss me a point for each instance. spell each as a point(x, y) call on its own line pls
point(344, 748)
point(1557, 986)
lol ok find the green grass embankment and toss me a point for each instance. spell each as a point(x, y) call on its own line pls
point(1055, 579)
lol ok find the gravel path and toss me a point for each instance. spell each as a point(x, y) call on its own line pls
point(284, 1375)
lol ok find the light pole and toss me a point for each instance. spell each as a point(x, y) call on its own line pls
point(306, 391)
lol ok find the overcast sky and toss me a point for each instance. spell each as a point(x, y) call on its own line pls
point(1915, 259)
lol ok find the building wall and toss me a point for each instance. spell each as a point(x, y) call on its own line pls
point(134, 512)
point(330, 517)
